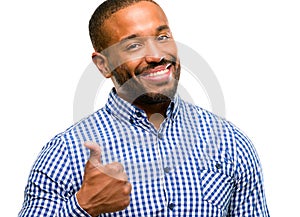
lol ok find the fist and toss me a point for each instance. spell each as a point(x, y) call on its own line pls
point(105, 188)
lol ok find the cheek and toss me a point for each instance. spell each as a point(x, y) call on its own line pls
point(123, 73)
point(120, 76)
point(126, 69)
point(170, 48)
point(132, 66)
point(125, 61)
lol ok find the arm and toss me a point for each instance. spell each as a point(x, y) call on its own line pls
point(249, 197)
point(49, 200)
point(50, 190)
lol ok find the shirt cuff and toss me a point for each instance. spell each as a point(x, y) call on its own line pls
point(73, 208)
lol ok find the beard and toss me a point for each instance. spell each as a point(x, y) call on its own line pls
point(136, 93)
point(155, 98)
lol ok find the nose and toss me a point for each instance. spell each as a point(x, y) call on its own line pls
point(153, 53)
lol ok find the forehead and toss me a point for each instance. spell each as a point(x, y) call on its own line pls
point(141, 19)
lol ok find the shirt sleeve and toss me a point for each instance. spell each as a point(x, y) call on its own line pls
point(249, 196)
point(50, 190)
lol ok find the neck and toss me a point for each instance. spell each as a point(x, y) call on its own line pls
point(156, 113)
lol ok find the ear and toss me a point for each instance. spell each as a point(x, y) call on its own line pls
point(102, 64)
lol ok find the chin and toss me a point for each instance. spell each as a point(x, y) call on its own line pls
point(151, 98)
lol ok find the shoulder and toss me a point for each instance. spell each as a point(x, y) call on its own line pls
point(66, 148)
point(237, 145)
point(208, 120)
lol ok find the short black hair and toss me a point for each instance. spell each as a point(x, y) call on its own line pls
point(103, 12)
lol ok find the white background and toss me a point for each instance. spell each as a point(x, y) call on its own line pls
point(253, 47)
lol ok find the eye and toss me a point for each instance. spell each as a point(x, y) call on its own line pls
point(133, 46)
point(163, 37)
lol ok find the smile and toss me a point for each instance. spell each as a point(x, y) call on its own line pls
point(157, 73)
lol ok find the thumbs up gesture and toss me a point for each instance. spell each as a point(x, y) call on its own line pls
point(105, 188)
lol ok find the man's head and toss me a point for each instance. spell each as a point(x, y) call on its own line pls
point(102, 13)
point(134, 46)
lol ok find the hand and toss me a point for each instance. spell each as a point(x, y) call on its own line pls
point(105, 188)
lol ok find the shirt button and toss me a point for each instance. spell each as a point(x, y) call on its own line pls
point(138, 114)
point(219, 166)
point(131, 120)
point(160, 135)
point(167, 169)
point(171, 206)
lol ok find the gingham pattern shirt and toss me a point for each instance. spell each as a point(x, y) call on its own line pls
point(196, 164)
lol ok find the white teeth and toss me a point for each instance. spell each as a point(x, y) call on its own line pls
point(158, 73)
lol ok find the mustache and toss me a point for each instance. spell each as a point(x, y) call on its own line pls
point(152, 65)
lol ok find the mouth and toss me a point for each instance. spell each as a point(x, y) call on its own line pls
point(159, 74)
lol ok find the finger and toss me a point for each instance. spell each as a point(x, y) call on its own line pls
point(128, 188)
point(115, 167)
point(111, 171)
point(95, 152)
point(120, 176)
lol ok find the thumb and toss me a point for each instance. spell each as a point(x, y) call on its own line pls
point(95, 152)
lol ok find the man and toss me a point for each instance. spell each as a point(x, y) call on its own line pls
point(159, 156)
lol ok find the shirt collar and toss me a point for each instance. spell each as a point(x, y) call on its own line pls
point(128, 112)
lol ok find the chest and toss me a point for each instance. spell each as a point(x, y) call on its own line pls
point(176, 170)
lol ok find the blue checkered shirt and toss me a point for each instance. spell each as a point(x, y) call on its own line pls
point(196, 164)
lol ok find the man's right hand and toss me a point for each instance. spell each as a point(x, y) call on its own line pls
point(105, 188)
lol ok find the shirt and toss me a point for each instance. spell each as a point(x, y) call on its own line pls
point(195, 164)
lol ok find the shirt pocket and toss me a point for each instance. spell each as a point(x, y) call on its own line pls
point(217, 183)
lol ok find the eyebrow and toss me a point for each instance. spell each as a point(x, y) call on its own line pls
point(158, 29)
point(128, 37)
point(163, 27)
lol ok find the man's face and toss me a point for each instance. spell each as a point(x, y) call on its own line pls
point(142, 54)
